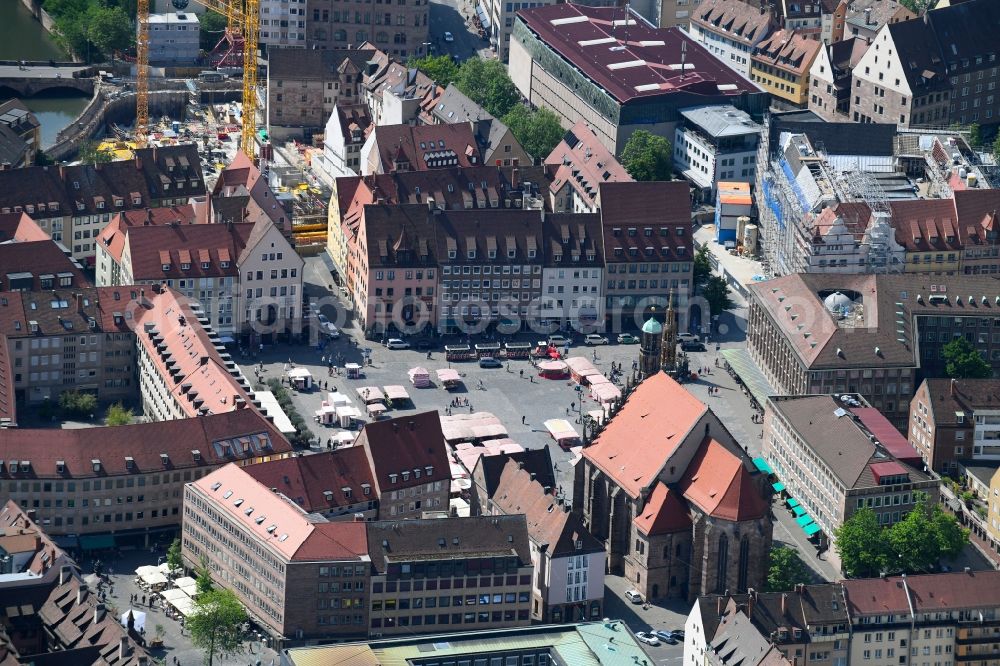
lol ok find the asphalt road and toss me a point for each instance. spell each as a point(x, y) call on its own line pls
point(455, 16)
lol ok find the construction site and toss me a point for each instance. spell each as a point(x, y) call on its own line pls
point(826, 209)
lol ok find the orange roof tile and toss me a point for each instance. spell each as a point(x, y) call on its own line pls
point(719, 483)
point(665, 512)
point(639, 440)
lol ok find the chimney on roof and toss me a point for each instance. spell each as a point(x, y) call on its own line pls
point(800, 588)
point(81, 595)
point(138, 161)
point(718, 606)
point(99, 612)
point(65, 574)
point(954, 390)
point(548, 490)
point(62, 172)
point(751, 598)
point(149, 216)
point(784, 604)
point(123, 648)
point(79, 302)
point(515, 175)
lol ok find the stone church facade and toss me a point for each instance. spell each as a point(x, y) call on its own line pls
point(676, 501)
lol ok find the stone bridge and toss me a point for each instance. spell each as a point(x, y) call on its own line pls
point(30, 80)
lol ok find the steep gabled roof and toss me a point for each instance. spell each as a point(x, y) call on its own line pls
point(550, 526)
point(719, 483)
point(664, 512)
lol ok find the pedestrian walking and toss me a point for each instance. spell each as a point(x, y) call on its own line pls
point(522, 373)
point(523, 419)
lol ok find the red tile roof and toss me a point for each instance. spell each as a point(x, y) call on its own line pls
point(66, 312)
point(307, 479)
point(636, 206)
point(925, 225)
point(153, 247)
point(637, 61)
point(425, 147)
point(582, 161)
point(20, 227)
point(406, 444)
point(38, 258)
point(144, 443)
point(550, 526)
point(663, 513)
point(719, 483)
point(926, 593)
point(638, 441)
point(977, 215)
point(202, 381)
point(286, 528)
point(787, 50)
point(882, 469)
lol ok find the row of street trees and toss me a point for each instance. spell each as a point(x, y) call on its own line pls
point(916, 544)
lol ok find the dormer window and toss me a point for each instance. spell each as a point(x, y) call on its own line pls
point(76, 184)
point(406, 476)
point(366, 489)
point(393, 478)
point(60, 466)
point(204, 265)
point(472, 254)
point(429, 470)
point(196, 454)
point(452, 254)
point(136, 201)
point(493, 254)
point(185, 267)
point(347, 492)
point(129, 462)
point(223, 264)
point(96, 464)
point(531, 254)
point(416, 473)
point(166, 267)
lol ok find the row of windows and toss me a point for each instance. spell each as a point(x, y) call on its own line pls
point(454, 618)
point(446, 601)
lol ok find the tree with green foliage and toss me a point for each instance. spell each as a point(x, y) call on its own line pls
point(441, 68)
point(487, 83)
point(211, 26)
point(918, 7)
point(862, 549)
point(203, 577)
point(174, 559)
point(118, 415)
point(538, 131)
point(975, 135)
point(216, 625)
point(963, 361)
point(924, 537)
point(996, 149)
point(75, 403)
point(716, 292)
point(702, 266)
point(92, 30)
point(647, 156)
point(786, 570)
point(90, 153)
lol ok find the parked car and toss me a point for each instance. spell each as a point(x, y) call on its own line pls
point(647, 637)
point(687, 337)
point(396, 343)
point(330, 330)
point(489, 362)
point(678, 634)
point(627, 339)
point(692, 346)
point(666, 636)
point(595, 339)
point(558, 340)
point(633, 596)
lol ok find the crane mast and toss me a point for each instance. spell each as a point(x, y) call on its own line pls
point(241, 15)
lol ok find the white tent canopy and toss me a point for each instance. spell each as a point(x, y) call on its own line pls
point(138, 619)
point(173, 594)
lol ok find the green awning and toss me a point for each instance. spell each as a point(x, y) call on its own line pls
point(798, 511)
point(744, 366)
point(811, 529)
point(792, 502)
point(804, 519)
point(97, 541)
point(778, 487)
point(762, 465)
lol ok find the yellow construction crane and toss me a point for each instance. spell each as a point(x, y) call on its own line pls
point(242, 16)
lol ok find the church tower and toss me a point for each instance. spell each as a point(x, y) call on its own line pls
point(649, 347)
point(668, 346)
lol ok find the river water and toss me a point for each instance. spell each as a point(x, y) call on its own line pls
point(24, 38)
